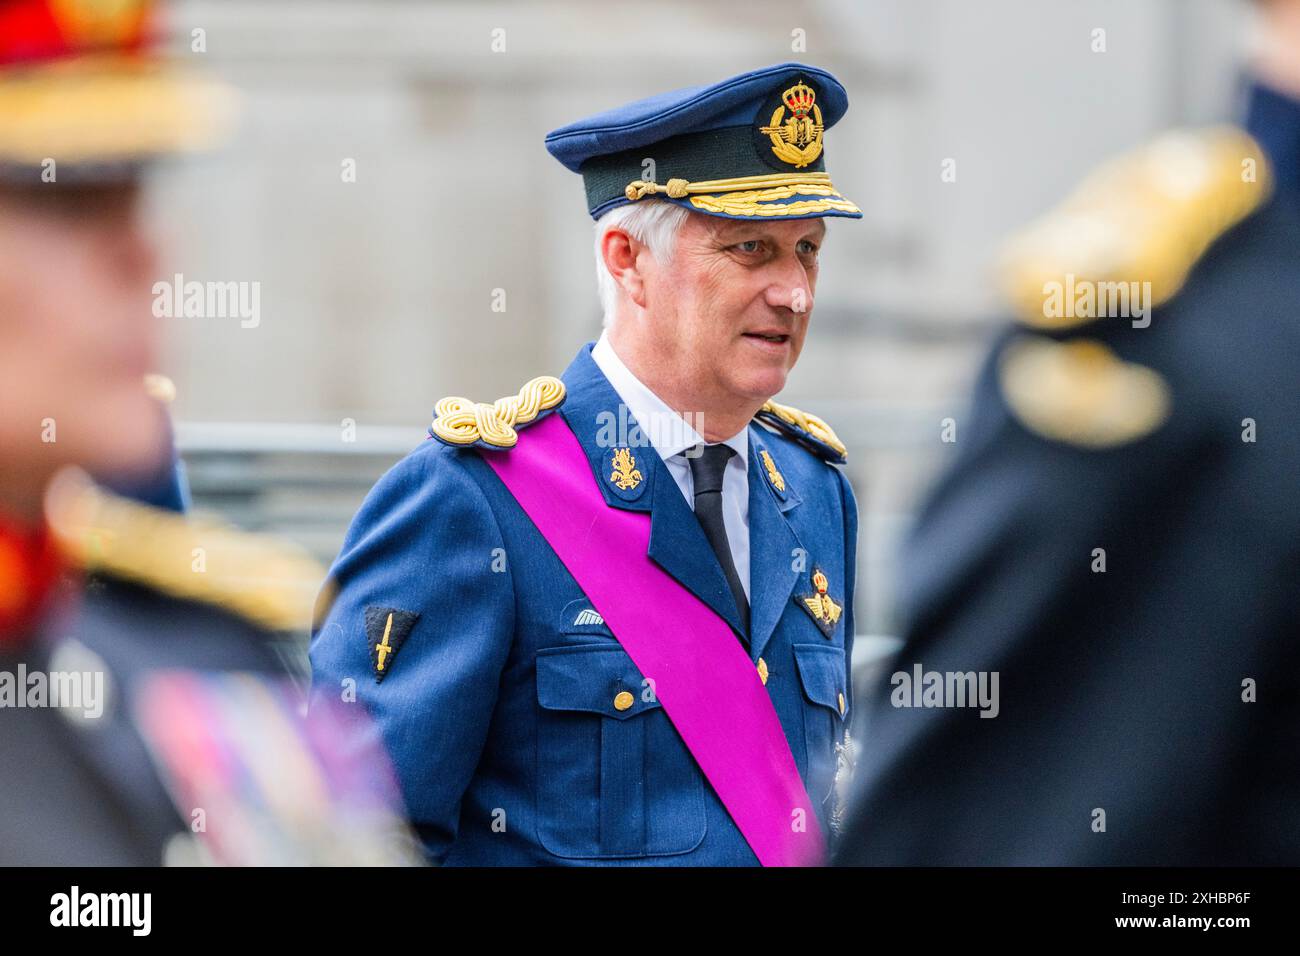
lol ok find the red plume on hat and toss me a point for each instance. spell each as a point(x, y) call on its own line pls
point(82, 83)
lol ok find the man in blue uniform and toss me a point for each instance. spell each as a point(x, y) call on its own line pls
point(607, 620)
point(1119, 537)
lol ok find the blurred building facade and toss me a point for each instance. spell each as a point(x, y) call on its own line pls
point(380, 295)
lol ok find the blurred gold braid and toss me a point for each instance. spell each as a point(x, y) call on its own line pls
point(268, 582)
point(1147, 215)
point(462, 422)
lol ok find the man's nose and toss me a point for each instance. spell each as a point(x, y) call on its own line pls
point(789, 287)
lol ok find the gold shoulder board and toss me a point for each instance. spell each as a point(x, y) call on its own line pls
point(1144, 217)
point(809, 430)
point(458, 421)
point(267, 582)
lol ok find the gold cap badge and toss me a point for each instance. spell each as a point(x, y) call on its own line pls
point(797, 140)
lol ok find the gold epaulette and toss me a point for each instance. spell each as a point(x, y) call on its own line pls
point(1146, 216)
point(267, 582)
point(1081, 392)
point(809, 430)
point(458, 421)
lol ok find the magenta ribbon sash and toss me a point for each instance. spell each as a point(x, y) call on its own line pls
point(701, 674)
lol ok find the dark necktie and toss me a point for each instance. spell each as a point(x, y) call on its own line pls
point(706, 474)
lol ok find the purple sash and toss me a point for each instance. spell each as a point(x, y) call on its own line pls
point(702, 676)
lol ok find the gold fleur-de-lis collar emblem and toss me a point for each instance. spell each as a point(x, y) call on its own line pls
point(625, 475)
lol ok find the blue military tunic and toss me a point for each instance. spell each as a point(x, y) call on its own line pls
point(496, 697)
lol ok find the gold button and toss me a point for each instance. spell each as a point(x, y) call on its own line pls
point(762, 670)
point(623, 700)
point(841, 703)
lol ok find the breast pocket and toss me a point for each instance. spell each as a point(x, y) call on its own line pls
point(822, 673)
point(614, 777)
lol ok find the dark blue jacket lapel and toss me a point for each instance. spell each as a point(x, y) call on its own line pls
point(774, 548)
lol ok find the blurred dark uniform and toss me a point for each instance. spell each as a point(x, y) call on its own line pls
point(1162, 692)
point(111, 590)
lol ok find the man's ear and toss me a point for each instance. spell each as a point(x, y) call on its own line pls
point(621, 250)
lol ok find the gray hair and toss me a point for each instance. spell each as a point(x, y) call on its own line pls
point(650, 221)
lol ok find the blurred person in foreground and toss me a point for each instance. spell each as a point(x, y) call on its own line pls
point(146, 711)
point(1119, 538)
point(620, 634)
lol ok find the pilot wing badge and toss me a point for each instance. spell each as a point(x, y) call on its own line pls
point(825, 611)
point(386, 629)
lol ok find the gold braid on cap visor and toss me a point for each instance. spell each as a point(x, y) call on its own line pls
point(750, 195)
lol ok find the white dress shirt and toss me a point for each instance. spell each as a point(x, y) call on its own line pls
point(670, 434)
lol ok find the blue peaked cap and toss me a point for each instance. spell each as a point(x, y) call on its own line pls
point(747, 147)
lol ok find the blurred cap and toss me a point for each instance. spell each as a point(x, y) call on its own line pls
point(81, 83)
